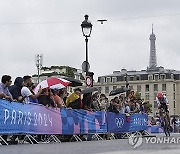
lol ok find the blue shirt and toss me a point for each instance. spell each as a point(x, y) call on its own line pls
point(4, 90)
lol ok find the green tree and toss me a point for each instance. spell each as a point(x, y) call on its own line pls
point(138, 95)
point(148, 107)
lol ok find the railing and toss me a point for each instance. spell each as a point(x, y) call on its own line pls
point(17, 118)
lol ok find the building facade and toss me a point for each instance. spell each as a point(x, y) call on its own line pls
point(147, 83)
point(59, 72)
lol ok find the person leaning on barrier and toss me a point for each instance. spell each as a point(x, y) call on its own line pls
point(112, 107)
point(95, 102)
point(4, 91)
point(62, 94)
point(58, 95)
point(87, 101)
point(134, 106)
point(26, 92)
point(74, 100)
point(103, 102)
point(45, 98)
point(15, 89)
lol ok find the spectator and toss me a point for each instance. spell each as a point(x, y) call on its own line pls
point(45, 98)
point(87, 101)
point(4, 85)
point(112, 107)
point(15, 89)
point(127, 106)
point(174, 120)
point(74, 100)
point(26, 92)
point(123, 104)
point(131, 96)
point(117, 103)
point(141, 106)
point(4, 92)
point(134, 106)
point(62, 94)
point(33, 100)
point(58, 95)
point(153, 121)
point(65, 95)
point(95, 102)
point(174, 124)
point(104, 103)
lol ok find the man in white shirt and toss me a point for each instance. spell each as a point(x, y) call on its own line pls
point(25, 91)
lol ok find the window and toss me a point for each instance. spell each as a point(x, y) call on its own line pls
point(162, 76)
point(155, 94)
point(156, 77)
point(102, 80)
point(147, 87)
point(131, 78)
point(114, 79)
point(137, 77)
point(155, 87)
point(174, 96)
point(172, 76)
point(108, 79)
point(125, 78)
point(174, 104)
point(174, 87)
point(122, 86)
point(150, 77)
point(107, 89)
point(155, 104)
point(164, 87)
point(114, 87)
point(138, 88)
point(146, 96)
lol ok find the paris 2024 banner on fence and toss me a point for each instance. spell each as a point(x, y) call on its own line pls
point(18, 118)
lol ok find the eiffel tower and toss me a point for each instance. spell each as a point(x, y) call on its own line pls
point(152, 60)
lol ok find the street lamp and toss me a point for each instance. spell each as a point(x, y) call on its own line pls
point(86, 30)
point(39, 59)
point(127, 85)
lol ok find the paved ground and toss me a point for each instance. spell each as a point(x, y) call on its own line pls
point(91, 147)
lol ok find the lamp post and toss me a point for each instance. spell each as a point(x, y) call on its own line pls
point(127, 85)
point(86, 30)
point(39, 59)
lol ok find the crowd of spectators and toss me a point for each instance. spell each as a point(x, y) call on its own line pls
point(22, 92)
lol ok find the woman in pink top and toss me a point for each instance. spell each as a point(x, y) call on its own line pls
point(57, 99)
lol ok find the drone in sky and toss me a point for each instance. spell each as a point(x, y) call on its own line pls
point(102, 20)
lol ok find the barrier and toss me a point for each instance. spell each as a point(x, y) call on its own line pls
point(122, 123)
point(16, 118)
point(83, 122)
point(155, 129)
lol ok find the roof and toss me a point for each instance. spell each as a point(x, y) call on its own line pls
point(157, 70)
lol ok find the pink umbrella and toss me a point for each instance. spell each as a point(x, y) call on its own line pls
point(53, 83)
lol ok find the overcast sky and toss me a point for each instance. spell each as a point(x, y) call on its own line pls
point(52, 28)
